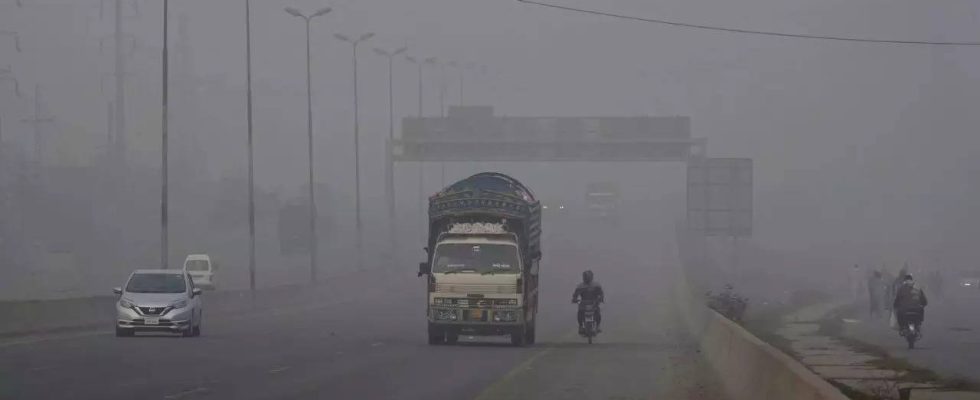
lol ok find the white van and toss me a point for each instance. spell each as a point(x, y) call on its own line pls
point(201, 269)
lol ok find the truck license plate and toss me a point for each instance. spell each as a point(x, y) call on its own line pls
point(151, 321)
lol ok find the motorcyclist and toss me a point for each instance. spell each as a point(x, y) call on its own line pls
point(910, 302)
point(588, 291)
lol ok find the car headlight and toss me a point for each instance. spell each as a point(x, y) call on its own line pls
point(126, 304)
point(179, 304)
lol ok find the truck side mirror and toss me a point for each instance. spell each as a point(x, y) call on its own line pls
point(424, 268)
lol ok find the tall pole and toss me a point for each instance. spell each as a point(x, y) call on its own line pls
point(389, 161)
point(314, 240)
point(442, 90)
point(251, 173)
point(420, 88)
point(37, 124)
point(119, 148)
point(357, 169)
point(357, 150)
point(164, 165)
point(108, 127)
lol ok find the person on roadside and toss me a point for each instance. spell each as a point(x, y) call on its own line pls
point(876, 291)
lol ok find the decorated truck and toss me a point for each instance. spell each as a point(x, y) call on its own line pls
point(483, 254)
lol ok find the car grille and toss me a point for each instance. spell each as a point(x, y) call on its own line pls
point(152, 310)
point(475, 288)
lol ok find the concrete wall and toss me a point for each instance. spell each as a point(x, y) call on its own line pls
point(749, 368)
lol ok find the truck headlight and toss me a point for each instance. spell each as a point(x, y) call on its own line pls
point(126, 304)
point(504, 316)
point(179, 304)
point(446, 315)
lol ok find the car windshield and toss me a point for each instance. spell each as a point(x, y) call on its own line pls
point(196, 265)
point(156, 283)
point(480, 258)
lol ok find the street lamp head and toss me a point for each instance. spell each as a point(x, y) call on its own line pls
point(365, 36)
point(430, 60)
point(399, 51)
point(382, 52)
point(321, 11)
point(411, 59)
point(341, 37)
point(294, 12)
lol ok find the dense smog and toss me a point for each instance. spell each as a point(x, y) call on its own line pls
point(509, 199)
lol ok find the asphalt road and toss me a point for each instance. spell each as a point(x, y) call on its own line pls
point(364, 338)
point(950, 344)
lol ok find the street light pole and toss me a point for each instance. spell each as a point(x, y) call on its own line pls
point(357, 149)
point(164, 217)
point(251, 153)
point(389, 162)
point(314, 240)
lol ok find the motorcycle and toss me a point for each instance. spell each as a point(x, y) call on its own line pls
point(911, 330)
point(589, 329)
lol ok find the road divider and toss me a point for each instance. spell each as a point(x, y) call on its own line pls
point(748, 368)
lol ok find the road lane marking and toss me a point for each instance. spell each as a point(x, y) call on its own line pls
point(51, 338)
point(488, 393)
point(377, 344)
point(278, 370)
point(186, 393)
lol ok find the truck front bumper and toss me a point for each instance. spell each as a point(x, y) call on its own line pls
point(477, 321)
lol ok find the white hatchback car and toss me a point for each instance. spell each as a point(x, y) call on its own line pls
point(159, 300)
point(201, 268)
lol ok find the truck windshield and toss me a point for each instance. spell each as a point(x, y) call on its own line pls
point(481, 258)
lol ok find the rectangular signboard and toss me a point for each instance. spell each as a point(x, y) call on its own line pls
point(719, 196)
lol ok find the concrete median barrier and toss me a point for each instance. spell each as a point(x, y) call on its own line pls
point(748, 368)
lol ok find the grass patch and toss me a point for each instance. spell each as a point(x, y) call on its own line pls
point(852, 393)
point(912, 372)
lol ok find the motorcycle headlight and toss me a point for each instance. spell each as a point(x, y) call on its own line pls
point(179, 304)
point(126, 304)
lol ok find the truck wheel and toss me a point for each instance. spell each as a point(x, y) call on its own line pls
point(452, 337)
point(436, 336)
point(519, 338)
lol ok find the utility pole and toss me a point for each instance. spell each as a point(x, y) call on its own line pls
point(389, 162)
point(108, 127)
point(251, 153)
point(314, 240)
point(357, 150)
point(422, 214)
point(119, 147)
point(36, 122)
point(164, 165)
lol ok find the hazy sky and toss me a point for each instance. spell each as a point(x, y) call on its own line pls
point(807, 111)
